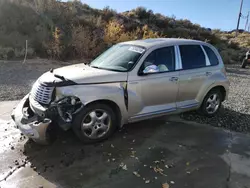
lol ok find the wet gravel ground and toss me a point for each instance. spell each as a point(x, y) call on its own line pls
point(235, 112)
point(16, 80)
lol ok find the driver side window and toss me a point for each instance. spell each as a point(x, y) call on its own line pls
point(160, 60)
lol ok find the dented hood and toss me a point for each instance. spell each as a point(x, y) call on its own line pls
point(82, 74)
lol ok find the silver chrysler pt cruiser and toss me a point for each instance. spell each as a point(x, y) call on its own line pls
point(131, 81)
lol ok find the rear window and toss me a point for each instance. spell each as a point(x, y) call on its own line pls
point(192, 57)
point(211, 56)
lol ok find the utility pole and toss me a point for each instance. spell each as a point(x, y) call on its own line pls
point(239, 18)
point(247, 21)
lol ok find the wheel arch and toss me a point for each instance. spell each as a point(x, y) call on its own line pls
point(111, 104)
point(221, 88)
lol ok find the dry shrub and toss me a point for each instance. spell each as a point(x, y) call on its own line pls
point(142, 13)
point(53, 50)
point(149, 33)
point(231, 56)
point(7, 53)
point(115, 32)
point(86, 42)
point(243, 40)
point(54, 47)
point(108, 13)
point(225, 56)
point(70, 29)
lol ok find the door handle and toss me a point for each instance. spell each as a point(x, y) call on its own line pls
point(173, 79)
point(208, 73)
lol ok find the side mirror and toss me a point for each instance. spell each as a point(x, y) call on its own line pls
point(130, 65)
point(150, 69)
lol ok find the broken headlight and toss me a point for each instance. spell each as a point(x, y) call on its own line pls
point(63, 92)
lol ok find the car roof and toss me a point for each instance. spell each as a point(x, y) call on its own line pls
point(148, 43)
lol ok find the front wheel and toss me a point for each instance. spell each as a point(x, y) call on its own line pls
point(94, 123)
point(211, 103)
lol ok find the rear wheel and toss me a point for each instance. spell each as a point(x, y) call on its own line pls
point(212, 103)
point(95, 123)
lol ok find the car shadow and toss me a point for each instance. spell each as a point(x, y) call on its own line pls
point(67, 151)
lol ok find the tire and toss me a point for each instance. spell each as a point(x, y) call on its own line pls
point(214, 99)
point(244, 63)
point(91, 126)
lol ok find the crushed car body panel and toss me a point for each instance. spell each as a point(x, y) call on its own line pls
point(30, 124)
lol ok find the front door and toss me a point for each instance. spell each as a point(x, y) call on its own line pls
point(153, 92)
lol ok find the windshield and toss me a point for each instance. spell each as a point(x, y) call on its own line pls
point(120, 57)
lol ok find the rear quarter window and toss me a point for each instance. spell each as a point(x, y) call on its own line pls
point(211, 56)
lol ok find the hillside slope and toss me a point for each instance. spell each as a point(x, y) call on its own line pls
point(72, 30)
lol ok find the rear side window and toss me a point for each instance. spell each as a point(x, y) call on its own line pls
point(192, 57)
point(211, 56)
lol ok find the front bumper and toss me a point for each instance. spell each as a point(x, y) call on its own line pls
point(30, 125)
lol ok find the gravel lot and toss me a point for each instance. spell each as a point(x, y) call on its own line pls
point(16, 80)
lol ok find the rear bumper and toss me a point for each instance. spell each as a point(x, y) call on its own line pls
point(30, 125)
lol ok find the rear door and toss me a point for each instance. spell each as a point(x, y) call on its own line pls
point(193, 74)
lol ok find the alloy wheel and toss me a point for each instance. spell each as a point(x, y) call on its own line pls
point(96, 124)
point(213, 103)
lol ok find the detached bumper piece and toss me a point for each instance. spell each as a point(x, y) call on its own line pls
point(30, 124)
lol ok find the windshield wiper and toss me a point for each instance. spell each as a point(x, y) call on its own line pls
point(94, 66)
point(99, 67)
point(116, 70)
point(59, 76)
point(56, 75)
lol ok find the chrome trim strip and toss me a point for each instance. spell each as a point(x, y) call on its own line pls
point(177, 62)
point(178, 57)
point(150, 114)
point(189, 105)
point(207, 59)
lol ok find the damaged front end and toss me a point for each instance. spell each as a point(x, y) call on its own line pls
point(42, 109)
